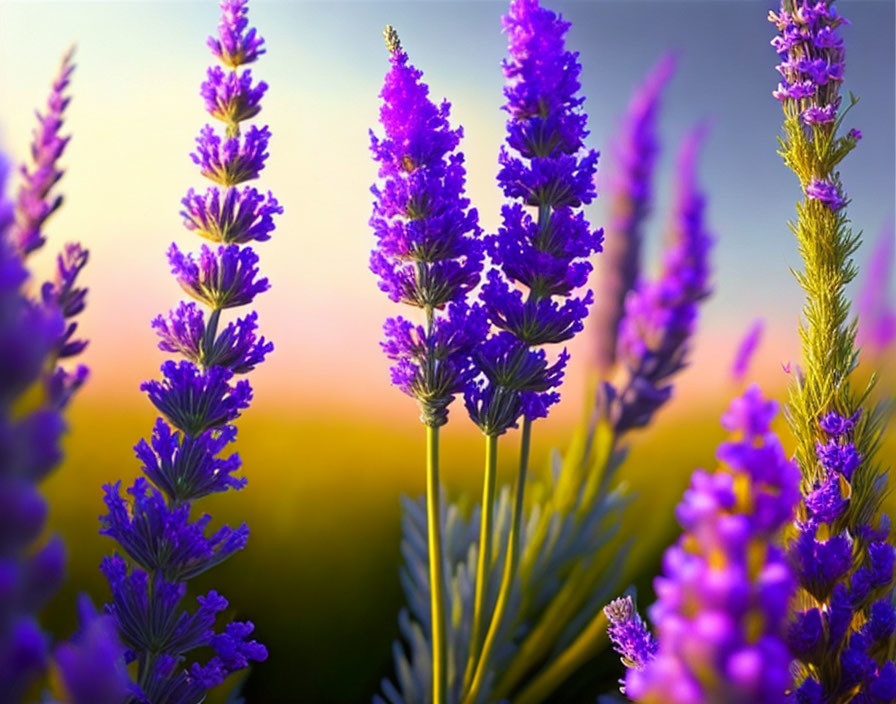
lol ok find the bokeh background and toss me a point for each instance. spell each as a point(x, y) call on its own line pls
point(328, 446)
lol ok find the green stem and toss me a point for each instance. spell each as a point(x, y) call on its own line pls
point(483, 566)
point(510, 564)
point(436, 576)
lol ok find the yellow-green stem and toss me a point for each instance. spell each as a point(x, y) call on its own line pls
point(510, 564)
point(483, 566)
point(436, 577)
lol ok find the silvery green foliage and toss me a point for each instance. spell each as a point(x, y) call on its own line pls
point(569, 569)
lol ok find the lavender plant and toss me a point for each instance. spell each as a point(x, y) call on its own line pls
point(722, 602)
point(570, 555)
point(427, 256)
point(199, 398)
point(546, 167)
point(845, 625)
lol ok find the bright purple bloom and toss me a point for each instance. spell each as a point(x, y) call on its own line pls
point(746, 350)
point(541, 256)
point(91, 665)
point(634, 149)
point(427, 253)
point(660, 316)
point(166, 544)
point(721, 614)
point(231, 160)
point(877, 311)
point(236, 43)
point(812, 60)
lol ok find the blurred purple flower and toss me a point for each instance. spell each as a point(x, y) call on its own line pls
point(877, 312)
point(634, 149)
point(721, 613)
point(746, 350)
point(660, 316)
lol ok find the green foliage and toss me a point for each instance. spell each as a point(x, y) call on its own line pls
point(570, 567)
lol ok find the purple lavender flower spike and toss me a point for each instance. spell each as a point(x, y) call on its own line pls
point(630, 636)
point(30, 573)
point(34, 202)
point(634, 150)
point(877, 313)
point(91, 665)
point(154, 523)
point(427, 252)
point(660, 316)
point(721, 614)
point(546, 166)
point(746, 350)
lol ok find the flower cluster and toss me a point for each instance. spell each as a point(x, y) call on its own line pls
point(428, 253)
point(546, 167)
point(721, 610)
point(634, 150)
point(812, 54)
point(848, 579)
point(199, 399)
point(660, 316)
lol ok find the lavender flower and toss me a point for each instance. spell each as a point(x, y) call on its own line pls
point(746, 350)
point(34, 202)
point(545, 166)
point(812, 60)
point(721, 610)
point(30, 572)
point(877, 314)
point(634, 149)
point(531, 297)
point(660, 316)
point(165, 544)
point(630, 636)
point(852, 620)
point(427, 252)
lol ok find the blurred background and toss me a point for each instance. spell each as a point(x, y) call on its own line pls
point(328, 446)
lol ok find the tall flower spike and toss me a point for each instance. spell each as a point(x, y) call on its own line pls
point(721, 610)
point(428, 255)
point(165, 543)
point(36, 201)
point(843, 631)
point(661, 315)
point(532, 296)
point(30, 569)
point(634, 149)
